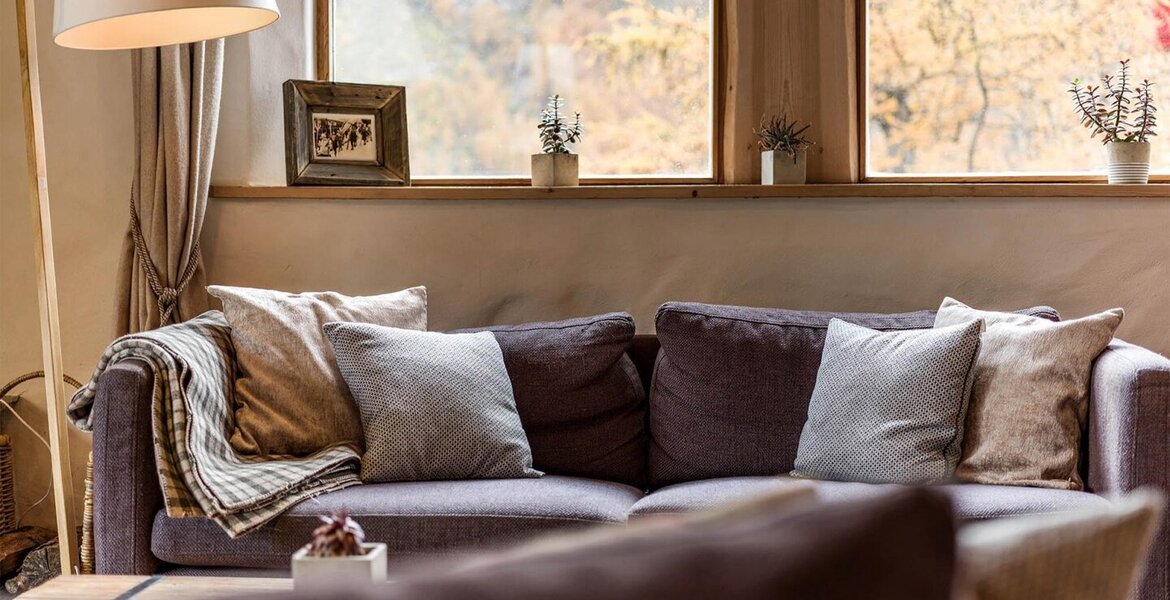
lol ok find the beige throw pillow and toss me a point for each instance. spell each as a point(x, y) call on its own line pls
point(1094, 554)
point(290, 398)
point(1029, 399)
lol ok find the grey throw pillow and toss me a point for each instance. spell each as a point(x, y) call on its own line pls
point(888, 407)
point(433, 405)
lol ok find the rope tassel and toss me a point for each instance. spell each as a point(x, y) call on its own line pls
point(168, 297)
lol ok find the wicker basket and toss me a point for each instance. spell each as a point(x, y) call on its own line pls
point(87, 557)
point(7, 488)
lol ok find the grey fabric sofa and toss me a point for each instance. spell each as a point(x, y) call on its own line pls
point(1127, 446)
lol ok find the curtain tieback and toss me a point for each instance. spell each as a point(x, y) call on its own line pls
point(168, 297)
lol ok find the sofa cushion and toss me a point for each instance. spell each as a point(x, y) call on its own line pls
point(412, 518)
point(971, 501)
point(731, 389)
point(897, 546)
point(579, 395)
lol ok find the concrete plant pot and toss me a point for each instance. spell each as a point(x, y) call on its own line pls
point(781, 167)
point(1129, 162)
point(554, 170)
point(324, 574)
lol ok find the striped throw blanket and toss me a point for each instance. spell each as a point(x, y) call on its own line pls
point(200, 474)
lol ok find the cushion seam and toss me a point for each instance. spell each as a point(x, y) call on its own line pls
point(900, 326)
point(517, 328)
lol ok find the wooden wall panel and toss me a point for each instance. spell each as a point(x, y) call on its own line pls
point(797, 57)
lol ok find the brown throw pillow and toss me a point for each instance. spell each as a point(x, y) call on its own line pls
point(290, 398)
point(1029, 399)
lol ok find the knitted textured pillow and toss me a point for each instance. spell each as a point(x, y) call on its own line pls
point(433, 405)
point(888, 407)
point(1029, 402)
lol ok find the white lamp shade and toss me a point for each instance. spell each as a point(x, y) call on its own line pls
point(123, 24)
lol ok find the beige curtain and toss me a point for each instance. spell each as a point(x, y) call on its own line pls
point(797, 57)
point(177, 93)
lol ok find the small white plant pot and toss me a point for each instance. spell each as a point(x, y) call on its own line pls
point(554, 170)
point(781, 167)
point(1129, 162)
point(323, 574)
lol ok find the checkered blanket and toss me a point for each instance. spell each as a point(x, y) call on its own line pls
point(200, 474)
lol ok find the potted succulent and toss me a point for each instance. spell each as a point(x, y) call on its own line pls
point(1124, 115)
point(785, 150)
point(337, 553)
point(556, 165)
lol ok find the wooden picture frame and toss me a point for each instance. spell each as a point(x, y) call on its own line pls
point(345, 134)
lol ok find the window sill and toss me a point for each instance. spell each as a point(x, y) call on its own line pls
point(704, 191)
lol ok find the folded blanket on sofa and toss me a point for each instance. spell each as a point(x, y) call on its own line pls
point(200, 474)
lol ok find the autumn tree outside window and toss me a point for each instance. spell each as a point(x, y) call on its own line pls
point(944, 90)
point(969, 87)
point(478, 73)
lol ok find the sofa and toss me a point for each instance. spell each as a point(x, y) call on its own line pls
point(692, 458)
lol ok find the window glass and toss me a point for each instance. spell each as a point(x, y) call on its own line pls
point(970, 86)
point(478, 72)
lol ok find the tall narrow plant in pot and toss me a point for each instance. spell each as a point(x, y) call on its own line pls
point(556, 165)
point(784, 156)
point(338, 554)
point(1124, 115)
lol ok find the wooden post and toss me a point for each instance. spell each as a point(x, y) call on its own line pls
point(26, 27)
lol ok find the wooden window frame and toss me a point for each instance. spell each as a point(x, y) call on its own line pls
point(322, 42)
point(862, 84)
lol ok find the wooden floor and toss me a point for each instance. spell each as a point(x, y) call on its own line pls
point(157, 587)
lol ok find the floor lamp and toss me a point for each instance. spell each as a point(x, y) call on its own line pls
point(97, 25)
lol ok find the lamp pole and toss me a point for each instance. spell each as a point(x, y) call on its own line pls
point(38, 181)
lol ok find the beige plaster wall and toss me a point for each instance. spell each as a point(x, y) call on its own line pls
point(509, 261)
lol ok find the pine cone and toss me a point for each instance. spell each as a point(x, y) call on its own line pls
point(339, 535)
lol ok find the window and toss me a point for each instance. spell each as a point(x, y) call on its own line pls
point(976, 87)
point(478, 72)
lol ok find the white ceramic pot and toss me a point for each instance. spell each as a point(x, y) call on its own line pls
point(1129, 162)
point(322, 574)
point(554, 170)
point(781, 167)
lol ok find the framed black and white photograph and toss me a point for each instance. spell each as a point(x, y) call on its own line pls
point(345, 134)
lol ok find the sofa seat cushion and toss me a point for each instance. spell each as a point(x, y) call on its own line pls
point(971, 501)
point(411, 518)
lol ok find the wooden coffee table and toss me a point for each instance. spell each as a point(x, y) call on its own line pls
point(153, 587)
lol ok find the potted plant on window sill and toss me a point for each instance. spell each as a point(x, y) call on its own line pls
point(337, 553)
point(785, 151)
point(556, 165)
point(1124, 115)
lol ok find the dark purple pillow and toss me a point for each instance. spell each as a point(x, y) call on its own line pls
point(579, 396)
point(732, 384)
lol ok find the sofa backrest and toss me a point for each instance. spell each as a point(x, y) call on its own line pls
point(730, 387)
point(578, 396)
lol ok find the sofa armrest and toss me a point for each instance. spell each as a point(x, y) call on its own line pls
point(126, 491)
point(1129, 439)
